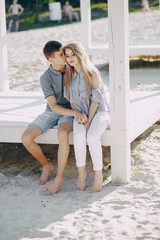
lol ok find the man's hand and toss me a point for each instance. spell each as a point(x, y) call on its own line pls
point(81, 118)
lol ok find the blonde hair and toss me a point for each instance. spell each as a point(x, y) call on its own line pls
point(90, 71)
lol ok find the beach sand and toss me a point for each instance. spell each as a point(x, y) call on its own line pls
point(127, 211)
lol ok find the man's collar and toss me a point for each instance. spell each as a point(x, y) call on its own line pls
point(56, 72)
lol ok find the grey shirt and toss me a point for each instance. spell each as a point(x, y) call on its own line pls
point(82, 99)
point(52, 84)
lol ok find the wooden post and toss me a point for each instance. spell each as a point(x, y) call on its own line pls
point(86, 23)
point(4, 85)
point(119, 89)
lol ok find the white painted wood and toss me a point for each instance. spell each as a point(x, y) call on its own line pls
point(103, 49)
point(18, 109)
point(98, 50)
point(4, 85)
point(138, 50)
point(55, 11)
point(85, 23)
point(119, 87)
point(145, 110)
point(134, 50)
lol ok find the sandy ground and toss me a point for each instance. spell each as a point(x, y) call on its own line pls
point(119, 212)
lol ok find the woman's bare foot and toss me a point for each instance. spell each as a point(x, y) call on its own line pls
point(54, 187)
point(97, 185)
point(47, 169)
point(81, 182)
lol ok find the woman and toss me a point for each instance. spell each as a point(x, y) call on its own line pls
point(87, 94)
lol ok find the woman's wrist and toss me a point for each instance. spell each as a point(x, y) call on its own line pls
point(90, 120)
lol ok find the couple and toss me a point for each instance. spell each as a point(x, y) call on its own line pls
point(75, 97)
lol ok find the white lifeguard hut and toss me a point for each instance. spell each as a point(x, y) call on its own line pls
point(131, 112)
point(55, 13)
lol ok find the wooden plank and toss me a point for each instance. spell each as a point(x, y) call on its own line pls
point(145, 110)
point(4, 84)
point(85, 23)
point(146, 50)
point(134, 50)
point(18, 109)
point(119, 87)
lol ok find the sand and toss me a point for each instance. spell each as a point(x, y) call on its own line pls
point(130, 211)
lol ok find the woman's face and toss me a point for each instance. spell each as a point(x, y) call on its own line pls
point(71, 57)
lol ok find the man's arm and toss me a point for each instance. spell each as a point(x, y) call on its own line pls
point(10, 10)
point(21, 9)
point(79, 120)
point(61, 110)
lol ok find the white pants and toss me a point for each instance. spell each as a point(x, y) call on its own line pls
point(100, 122)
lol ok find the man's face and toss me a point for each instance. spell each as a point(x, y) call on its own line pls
point(58, 58)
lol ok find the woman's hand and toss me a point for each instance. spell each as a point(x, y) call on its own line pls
point(81, 119)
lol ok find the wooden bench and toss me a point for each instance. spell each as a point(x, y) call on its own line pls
point(18, 109)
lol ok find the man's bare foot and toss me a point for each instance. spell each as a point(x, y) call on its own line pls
point(54, 187)
point(97, 185)
point(81, 181)
point(47, 169)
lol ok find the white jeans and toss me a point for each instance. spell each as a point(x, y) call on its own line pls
point(100, 122)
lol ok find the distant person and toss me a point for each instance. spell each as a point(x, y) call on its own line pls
point(68, 11)
point(15, 10)
point(145, 5)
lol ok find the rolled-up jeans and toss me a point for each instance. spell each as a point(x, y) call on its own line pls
point(99, 124)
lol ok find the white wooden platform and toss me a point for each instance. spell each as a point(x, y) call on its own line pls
point(18, 109)
point(128, 120)
point(134, 50)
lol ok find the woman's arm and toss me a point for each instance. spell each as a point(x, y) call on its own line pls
point(94, 105)
point(92, 111)
point(61, 110)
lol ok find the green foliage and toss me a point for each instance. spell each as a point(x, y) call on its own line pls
point(105, 178)
point(1, 160)
point(145, 61)
point(105, 164)
point(99, 5)
point(36, 9)
point(155, 4)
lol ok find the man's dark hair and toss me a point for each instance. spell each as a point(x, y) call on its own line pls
point(51, 47)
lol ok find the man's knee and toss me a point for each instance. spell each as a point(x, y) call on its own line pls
point(64, 131)
point(29, 135)
point(26, 138)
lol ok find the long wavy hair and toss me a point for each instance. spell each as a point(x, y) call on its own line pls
point(90, 71)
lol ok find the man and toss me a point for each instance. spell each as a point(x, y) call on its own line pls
point(15, 13)
point(58, 112)
point(68, 10)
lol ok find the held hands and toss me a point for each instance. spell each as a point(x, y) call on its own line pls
point(81, 118)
